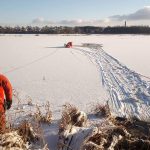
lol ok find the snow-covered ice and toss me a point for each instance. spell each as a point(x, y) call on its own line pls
point(129, 94)
point(40, 68)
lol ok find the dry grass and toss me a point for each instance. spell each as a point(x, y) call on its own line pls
point(43, 118)
point(136, 144)
point(71, 116)
point(24, 137)
point(32, 134)
point(16, 96)
point(135, 126)
point(27, 132)
point(101, 110)
point(66, 119)
point(71, 119)
point(125, 134)
point(12, 141)
point(104, 139)
point(18, 136)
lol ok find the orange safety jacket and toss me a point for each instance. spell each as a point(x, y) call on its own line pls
point(5, 90)
point(5, 94)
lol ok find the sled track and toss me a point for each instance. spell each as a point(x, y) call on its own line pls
point(129, 93)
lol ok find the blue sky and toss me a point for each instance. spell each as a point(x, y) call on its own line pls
point(74, 12)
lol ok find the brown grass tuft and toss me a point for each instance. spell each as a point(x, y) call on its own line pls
point(122, 134)
point(67, 116)
point(71, 119)
point(12, 141)
point(134, 126)
point(44, 118)
point(101, 110)
point(27, 132)
point(72, 116)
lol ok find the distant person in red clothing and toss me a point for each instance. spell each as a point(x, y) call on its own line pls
point(5, 99)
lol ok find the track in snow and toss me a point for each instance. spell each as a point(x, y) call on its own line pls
point(129, 93)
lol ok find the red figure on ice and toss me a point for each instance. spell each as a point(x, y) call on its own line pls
point(68, 45)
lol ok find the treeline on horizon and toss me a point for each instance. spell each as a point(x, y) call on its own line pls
point(75, 30)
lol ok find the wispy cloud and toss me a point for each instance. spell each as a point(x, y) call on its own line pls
point(77, 22)
point(81, 22)
point(141, 14)
point(41, 20)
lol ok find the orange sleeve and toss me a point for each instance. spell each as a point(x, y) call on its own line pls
point(7, 87)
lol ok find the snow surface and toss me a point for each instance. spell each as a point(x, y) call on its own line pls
point(129, 94)
point(41, 69)
point(47, 71)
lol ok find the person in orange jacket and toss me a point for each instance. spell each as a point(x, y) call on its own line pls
point(5, 99)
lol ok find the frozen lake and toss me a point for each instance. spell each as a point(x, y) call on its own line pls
point(41, 67)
